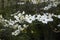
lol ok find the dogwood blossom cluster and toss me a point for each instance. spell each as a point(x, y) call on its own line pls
point(16, 32)
point(54, 4)
point(20, 17)
point(23, 17)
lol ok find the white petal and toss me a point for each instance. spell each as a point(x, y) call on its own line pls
point(59, 16)
point(23, 12)
point(16, 17)
point(13, 33)
point(20, 28)
point(58, 25)
point(44, 22)
point(25, 26)
point(19, 14)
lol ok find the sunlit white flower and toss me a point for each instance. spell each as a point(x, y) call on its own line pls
point(20, 28)
point(43, 16)
point(54, 4)
point(25, 26)
point(47, 13)
point(55, 15)
point(34, 1)
point(50, 5)
point(30, 15)
point(11, 22)
point(44, 22)
point(52, 14)
point(29, 20)
point(59, 16)
point(17, 18)
point(23, 12)
point(16, 33)
point(13, 33)
point(38, 16)
point(12, 14)
point(19, 15)
point(22, 18)
point(50, 19)
point(15, 26)
point(6, 20)
point(15, 21)
point(33, 18)
point(6, 25)
point(26, 15)
point(45, 8)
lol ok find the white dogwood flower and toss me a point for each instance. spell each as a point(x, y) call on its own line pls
point(20, 28)
point(6, 25)
point(16, 33)
point(15, 26)
point(22, 18)
point(55, 15)
point(28, 18)
point(11, 22)
point(25, 26)
point(45, 8)
point(6, 20)
point(19, 15)
point(33, 18)
point(17, 18)
point(15, 21)
point(44, 22)
point(50, 19)
point(38, 16)
point(23, 12)
point(59, 16)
